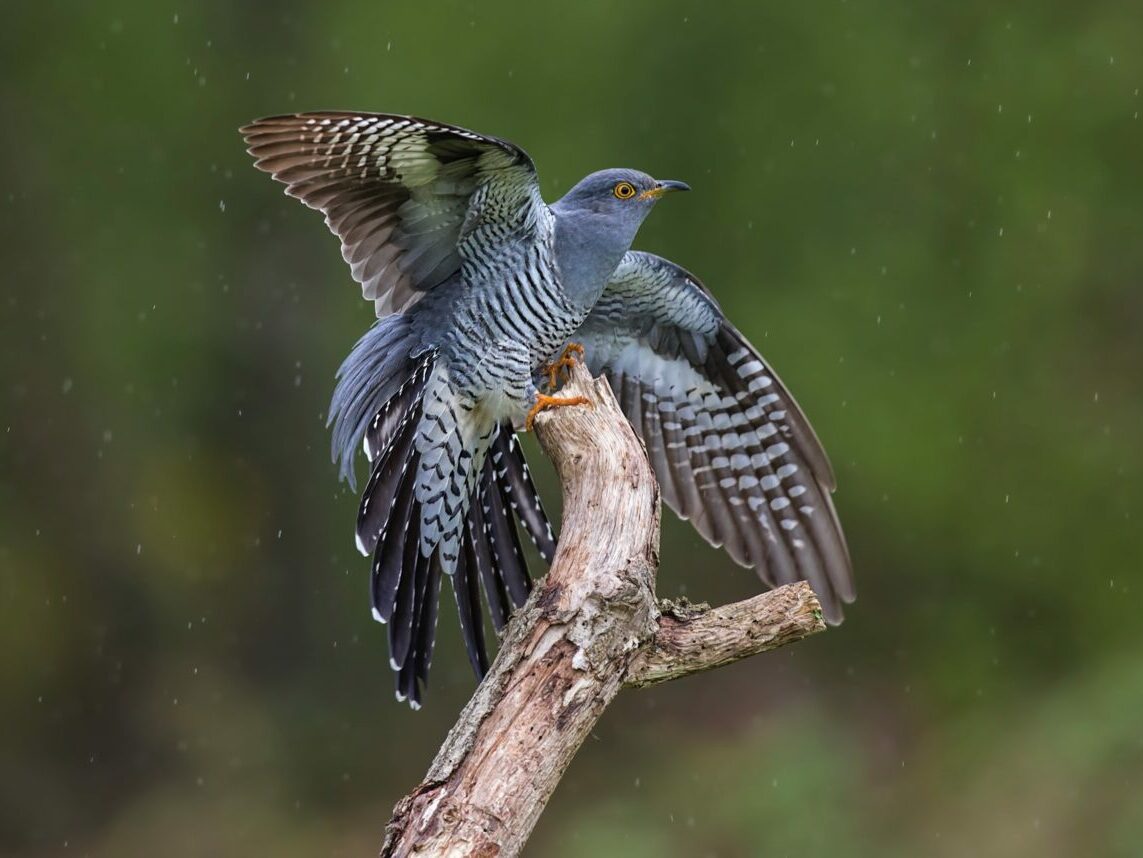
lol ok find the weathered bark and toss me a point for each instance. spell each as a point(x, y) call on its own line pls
point(590, 628)
point(691, 639)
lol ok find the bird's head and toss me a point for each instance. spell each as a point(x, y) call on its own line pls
point(619, 195)
point(596, 222)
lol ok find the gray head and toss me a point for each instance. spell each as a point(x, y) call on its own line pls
point(597, 220)
point(619, 195)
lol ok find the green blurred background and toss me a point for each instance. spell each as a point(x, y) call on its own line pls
point(928, 216)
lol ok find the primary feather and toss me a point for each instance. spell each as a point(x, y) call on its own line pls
point(732, 451)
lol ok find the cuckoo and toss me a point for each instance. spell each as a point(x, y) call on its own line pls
point(482, 292)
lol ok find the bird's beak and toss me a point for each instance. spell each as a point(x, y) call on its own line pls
point(664, 187)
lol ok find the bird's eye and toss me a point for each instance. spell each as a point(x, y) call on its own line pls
point(624, 190)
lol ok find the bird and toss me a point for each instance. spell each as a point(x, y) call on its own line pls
point(483, 294)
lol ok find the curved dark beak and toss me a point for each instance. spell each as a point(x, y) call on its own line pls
point(664, 187)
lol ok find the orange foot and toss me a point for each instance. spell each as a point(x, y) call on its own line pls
point(543, 402)
point(554, 370)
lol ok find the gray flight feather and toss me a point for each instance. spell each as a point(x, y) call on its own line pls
point(732, 450)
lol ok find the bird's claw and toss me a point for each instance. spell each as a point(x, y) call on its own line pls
point(543, 401)
point(561, 367)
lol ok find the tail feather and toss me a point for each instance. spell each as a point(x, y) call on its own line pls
point(395, 469)
point(383, 402)
point(414, 573)
point(427, 628)
point(389, 558)
point(466, 588)
point(513, 476)
point(414, 671)
point(406, 679)
point(406, 682)
point(506, 548)
point(495, 594)
point(388, 421)
point(490, 559)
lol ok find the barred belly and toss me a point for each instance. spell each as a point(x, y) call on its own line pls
point(505, 328)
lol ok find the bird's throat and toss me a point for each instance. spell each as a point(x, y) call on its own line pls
point(587, 251)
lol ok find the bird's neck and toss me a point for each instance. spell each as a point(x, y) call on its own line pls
point(588, 248)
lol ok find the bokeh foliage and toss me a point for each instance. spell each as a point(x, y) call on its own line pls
point(928, 215)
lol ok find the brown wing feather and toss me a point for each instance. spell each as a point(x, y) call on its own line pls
point(395, 189)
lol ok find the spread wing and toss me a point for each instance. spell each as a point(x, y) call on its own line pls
point(731, 449)
point(410, 199)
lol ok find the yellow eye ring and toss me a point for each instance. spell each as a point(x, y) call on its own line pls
point(624, 191)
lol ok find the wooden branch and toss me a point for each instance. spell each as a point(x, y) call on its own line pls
point(590, 628)
point(691, 640)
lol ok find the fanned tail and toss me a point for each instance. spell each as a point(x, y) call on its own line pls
point(381, 401)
